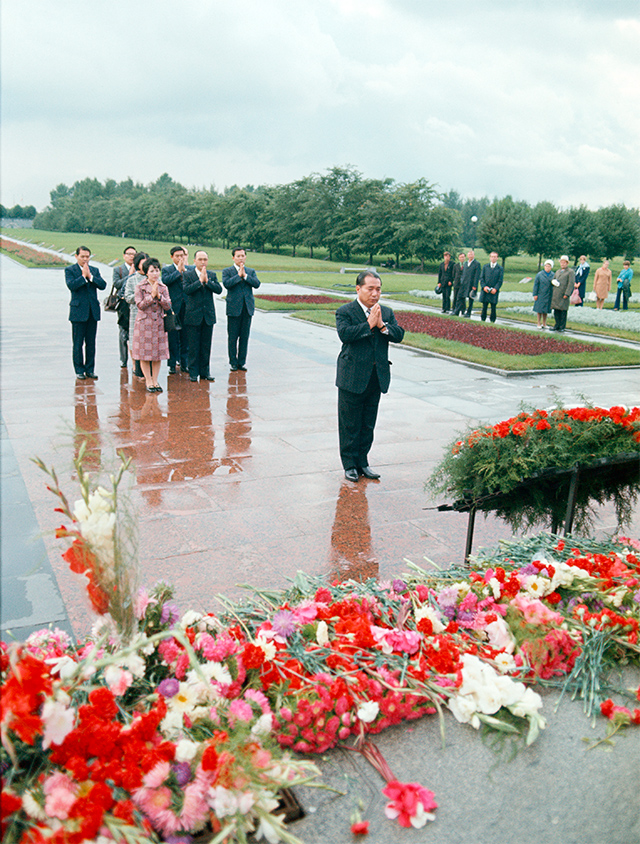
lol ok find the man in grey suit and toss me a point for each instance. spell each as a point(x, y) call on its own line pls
point(365, 328)
point(120, 276)
point(491, 279)
point(468, 285)
point(240, 282)
point(84, 311)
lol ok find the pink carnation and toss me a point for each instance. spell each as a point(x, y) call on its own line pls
point(410, 803)
point(534, 611)
point(60, 795)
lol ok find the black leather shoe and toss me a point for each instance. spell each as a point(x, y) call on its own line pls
point(351, 475)
point(207, 378)
point(191, 378)
point(242, 368)
point(81, 376)
point(234, 367)
point(172, 370)
point(92, 375)
point(368, 472)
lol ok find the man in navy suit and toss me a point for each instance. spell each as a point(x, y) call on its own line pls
point(84, 311)
point(491, 279)
point(365, 328)
point(200, 315)
point(240, 282)
point(172, 276)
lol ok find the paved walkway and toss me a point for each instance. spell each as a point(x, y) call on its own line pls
point(239, 481)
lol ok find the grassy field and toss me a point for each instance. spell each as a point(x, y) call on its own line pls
point(607, 355)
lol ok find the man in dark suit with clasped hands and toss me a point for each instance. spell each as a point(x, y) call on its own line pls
point(84, 311)
point(240, 282)
point(200, 315)
point(365, 328)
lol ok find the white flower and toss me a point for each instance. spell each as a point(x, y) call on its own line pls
point(189, 618)
point(500, 636)
point(496, 587)
point(537, 586)
point(32, 808)
point(268, 647)
point(58, 722)
point(433, 615)
point(225, 802)
point(267, 829)
point(368, 711)
point(505, 662)
point(322, 633)
point(263, 725)
point(62, 665)
point(186, 750)
point(117, 679)
point(134, 663)
point(618, 596)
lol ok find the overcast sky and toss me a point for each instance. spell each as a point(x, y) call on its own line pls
point(534, 98)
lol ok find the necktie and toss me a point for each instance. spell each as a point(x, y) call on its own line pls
point(368, 311)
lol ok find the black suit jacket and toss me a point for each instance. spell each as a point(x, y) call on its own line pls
point(84, 294)
point(199, 305)
point(470, 277)
point(491, 278)
point(363, 348)
point(174, 281)
point(240, 290)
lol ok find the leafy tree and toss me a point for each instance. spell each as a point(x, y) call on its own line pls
point(582, 233)
point(619, 229)
point(505, 227)
point(411, 224)
point(547, 231)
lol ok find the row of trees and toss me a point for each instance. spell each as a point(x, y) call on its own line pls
point(18, 212)
point(343, 213)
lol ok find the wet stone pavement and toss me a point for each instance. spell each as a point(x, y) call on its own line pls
point(239, 481)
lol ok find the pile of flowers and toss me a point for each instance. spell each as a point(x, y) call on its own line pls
point(30, 255)
point(197, 721)
point(518, 453)
point(508, 341)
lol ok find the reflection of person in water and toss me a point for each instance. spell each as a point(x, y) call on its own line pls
point(190, 444)
point(351, 552)
point(85, 413)
point(237, 428)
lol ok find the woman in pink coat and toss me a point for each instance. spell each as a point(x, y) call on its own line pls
point(150, 345)
point(602, 284)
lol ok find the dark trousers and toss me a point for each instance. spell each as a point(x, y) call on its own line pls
point(460, 304)
point(179, 345)
point(446, 298)
point(238, 328)
point(582, 289)
point(84, 346)
point(620, 294)
point(560, 318)
point(357, 414)
point(123, 345)
point(483, 315)
point(199, 340)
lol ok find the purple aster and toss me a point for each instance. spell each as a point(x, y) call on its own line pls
point(178, 839)
point(283, 624)
point(169, 687)
point(399, 586)
point(170, 613)
point(182, 771)
point(636, 596)
point(528, 569)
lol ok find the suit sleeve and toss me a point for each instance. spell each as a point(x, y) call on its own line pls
point(118, 279)
point(97, 279)
point(396, 332)
point(213, 283)
point(74, 279)
point(191, 282)
point(253, 279)
point(170, 275)
point(351, 330)
point(230, 278)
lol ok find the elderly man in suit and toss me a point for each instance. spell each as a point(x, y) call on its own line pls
point(84, 282)
point(563, 284)
point(200, 315)
point(120, 275)
point(468, 285)
point(491, 279)
point(240, 282)
point(173, 276)
point(365, 328)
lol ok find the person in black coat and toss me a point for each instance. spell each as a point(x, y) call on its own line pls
point(84, 282)
point(491, 279)
point(200, 315)
point(173, 276)
point(445, 280)
point(468, 285)
point(240, 282)
point(365, 328)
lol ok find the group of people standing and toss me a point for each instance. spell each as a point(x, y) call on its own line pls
point(460, 282)
point(164, 313)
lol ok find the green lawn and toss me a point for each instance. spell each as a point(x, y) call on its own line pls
point(607, 355)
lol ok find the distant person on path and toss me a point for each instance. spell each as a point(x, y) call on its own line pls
point(468, 285)
point(445, 280)
point(150, 345)
point(130, 298)
point(84, 282)
point(563, 284)
point(120, 275)
point(581, 271)
point(624, 287)
point(365, 328)
point(602, 284)
point(200, 315)
point(491, 279)
point(240, 282)
point(542, 289)
point(172, 276)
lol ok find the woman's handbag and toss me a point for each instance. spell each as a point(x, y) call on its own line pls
point(111, 302)
point(592, 296)
point(575, 298)
point(170, 321)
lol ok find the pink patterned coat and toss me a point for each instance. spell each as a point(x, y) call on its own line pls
point(149, 337)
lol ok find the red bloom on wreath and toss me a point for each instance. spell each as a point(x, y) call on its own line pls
point(410, 803)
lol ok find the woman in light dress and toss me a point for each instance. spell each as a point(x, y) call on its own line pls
point(602, 284)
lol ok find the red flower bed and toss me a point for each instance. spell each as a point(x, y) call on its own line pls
point(35, 256)
point(302, 299)
point(488, 337)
